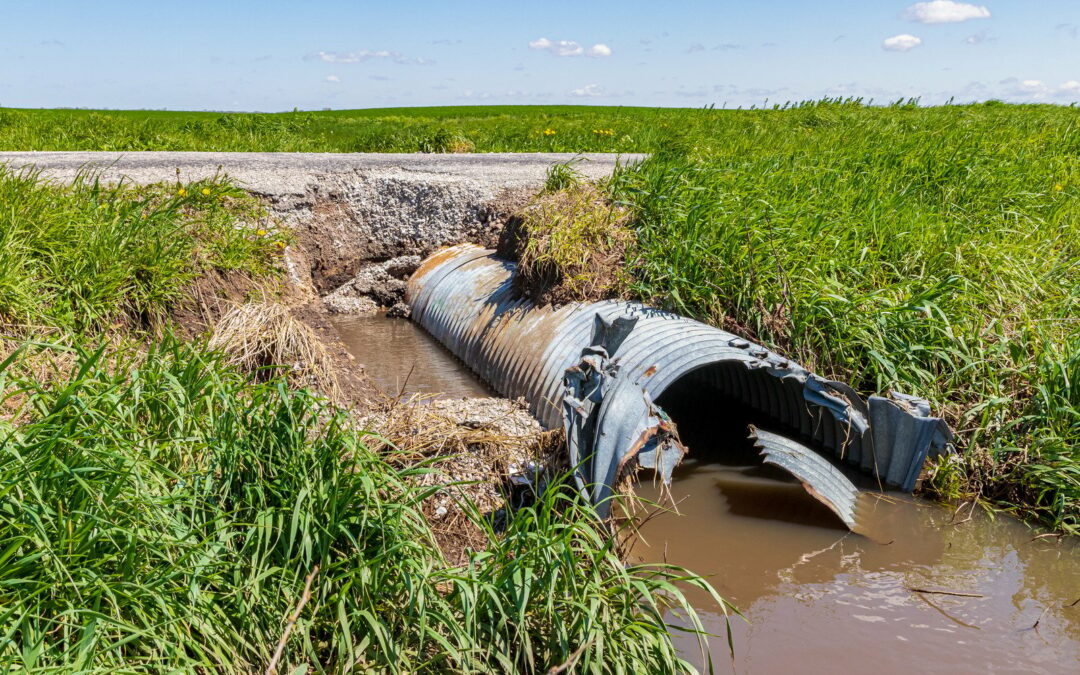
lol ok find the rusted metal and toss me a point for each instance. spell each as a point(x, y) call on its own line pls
point(464, 297)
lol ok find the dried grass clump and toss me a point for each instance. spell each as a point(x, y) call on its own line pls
point(575, 245)
point(263, 337)
point(472, 445)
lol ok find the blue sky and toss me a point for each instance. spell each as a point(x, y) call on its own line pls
point(272, 55)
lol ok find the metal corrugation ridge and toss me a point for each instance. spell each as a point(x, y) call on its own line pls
point(464, 297)
point(822, 480)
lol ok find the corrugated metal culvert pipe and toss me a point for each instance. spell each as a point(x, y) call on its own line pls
point(464, 297)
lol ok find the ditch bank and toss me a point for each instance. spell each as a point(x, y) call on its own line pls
point(360, 223)
point(924, 584)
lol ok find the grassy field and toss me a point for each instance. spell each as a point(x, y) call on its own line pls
point(162, 511)
point(934, 250)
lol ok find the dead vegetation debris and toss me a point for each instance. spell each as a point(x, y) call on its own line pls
point(263, 337)
point(472, 447)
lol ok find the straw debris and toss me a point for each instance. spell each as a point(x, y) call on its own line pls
point(261, 337)
point(472, 446)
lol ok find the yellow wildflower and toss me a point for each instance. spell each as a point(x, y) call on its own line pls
point(206, 191)
point(182, 192)
point(549, 132)
point(1059, 187)
point(279, 244)
point(261, 233)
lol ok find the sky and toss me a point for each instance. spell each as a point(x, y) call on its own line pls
point(271, 55)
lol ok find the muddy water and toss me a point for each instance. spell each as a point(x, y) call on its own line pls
point(819, 599)
point(401, 358)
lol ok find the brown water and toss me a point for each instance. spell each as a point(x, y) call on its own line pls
point(820, 599)
point(403, 359)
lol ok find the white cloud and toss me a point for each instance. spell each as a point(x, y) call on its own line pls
point(1039, 90)
point(588, 91)
point(901, 43)
point(569, 48)
point(367, 55)
point(333, 78)
point(945, 11)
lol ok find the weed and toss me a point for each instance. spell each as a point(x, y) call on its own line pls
point(575, 246)
point(87, 256)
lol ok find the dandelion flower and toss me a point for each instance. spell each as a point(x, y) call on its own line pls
point(182, 192)
point(1059, 187)
point(206, 191)
point(279, 244)
point(549, 132)
point(261, 233)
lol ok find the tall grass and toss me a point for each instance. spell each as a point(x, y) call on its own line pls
point(935, 251)
point(86, 256)
point(158, 511)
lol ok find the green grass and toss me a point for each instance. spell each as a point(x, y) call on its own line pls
point(935, 251)
point(484, 129)
point(88, 256)
point(159, 511)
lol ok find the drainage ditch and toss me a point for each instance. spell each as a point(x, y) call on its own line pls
point(813, 592)
point(922, 587)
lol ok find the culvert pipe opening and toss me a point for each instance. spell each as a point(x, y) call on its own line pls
point(596, 369)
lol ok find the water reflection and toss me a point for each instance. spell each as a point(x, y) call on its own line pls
point(401, 358)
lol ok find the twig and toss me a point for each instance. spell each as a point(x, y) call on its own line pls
point(971, 512)
point(568, 663)
point(271, 669)
point(1048, 535)
point(934, 592)
point(401, 392)
point(945, 614)
point(1035, 626)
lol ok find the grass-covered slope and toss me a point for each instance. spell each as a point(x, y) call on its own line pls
point(162, 511)
point(89, 256)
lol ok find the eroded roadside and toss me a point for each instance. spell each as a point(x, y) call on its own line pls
point(353, 229)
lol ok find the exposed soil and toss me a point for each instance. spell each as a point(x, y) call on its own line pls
point(377, 285)
point(354, 251)
point(345, 227)
point(356, 244)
